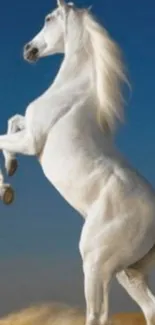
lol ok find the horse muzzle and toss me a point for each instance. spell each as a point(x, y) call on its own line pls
point(31, 53)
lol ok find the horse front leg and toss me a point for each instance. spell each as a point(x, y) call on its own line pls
point(15, 124)
point(21, 142)
point(6, 191)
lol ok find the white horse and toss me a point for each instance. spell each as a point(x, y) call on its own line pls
point(70, 129)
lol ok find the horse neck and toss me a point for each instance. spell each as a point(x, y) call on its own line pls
point(76, 68)
point(77, 76)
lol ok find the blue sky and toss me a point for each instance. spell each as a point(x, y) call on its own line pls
point(39, 233)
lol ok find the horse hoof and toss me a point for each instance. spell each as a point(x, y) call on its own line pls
point(7, 194)
point(12, 167)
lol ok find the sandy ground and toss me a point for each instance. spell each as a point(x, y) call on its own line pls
point(58, 314)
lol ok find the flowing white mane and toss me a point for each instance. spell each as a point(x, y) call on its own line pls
point(109, 71)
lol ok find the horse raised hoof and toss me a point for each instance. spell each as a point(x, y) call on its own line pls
point(7, 194)
point(12, 167)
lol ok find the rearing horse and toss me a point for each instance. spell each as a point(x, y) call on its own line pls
point(70, 130)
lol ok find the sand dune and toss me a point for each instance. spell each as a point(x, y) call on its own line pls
point(58, 314)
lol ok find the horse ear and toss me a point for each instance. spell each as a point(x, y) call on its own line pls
point(90, 8)
point(61, 3)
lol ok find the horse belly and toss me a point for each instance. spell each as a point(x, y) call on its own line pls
point(73, 173)
point(65, 180)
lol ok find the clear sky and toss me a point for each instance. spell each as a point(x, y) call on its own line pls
point(39, 233)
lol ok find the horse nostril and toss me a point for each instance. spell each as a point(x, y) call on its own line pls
point(31, 53)
point(34, 51)
point(27, 46)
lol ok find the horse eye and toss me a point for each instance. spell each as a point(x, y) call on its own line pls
point(47, 19)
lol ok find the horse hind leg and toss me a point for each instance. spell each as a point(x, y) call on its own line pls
point(98, 273)
point(93, 291)
point(134, 281)
point(104, 313)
